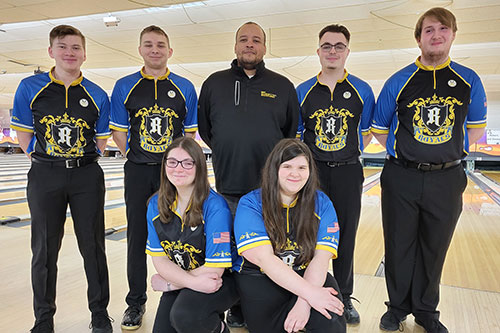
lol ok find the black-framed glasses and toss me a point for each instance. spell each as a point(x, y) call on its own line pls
point(173, 163)
point(339, 47)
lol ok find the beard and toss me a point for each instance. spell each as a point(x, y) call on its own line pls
point(247, 63)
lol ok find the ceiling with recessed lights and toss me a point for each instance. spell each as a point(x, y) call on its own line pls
point(202, 36)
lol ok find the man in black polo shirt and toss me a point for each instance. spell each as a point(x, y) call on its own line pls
point(243, 112)
point(62, 119)
point(149, 109)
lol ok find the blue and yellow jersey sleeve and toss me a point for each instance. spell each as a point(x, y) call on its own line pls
point(476, 116)
point(189, 93)
point(119, 120)
point(303, 90)
point(101, 100)
point(249, 228)
point(385, 120)
point(328, 231)
point(153, 245)
point(218, 230)
point(28, 89)
point(366, 96)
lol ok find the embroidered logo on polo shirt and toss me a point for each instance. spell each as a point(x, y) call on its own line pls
point(347, 95)
point(452, 83)
point(171, 94)
point(266, 94)
point(84, 103)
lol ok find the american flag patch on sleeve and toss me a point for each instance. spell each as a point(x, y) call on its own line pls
point(332, 228)
point(221, 237)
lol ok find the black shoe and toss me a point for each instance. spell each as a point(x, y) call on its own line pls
point(101, 322)
point(132, 318)
point(432, 325)
point(43, 327)
point(391, 322)
point(235, 319)
point(351, 314)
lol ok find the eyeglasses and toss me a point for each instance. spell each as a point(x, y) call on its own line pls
point(173, 163)
point(339, 47)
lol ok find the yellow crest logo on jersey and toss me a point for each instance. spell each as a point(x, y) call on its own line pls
point(433, 119)
point(331, 128)
point(64, 135)
point(156, 128)
point(182, 254)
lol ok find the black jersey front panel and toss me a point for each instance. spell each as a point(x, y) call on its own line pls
point(331, 122)
point(65, 120)
point(183, 245)
point(431, 115)
point(156, 113)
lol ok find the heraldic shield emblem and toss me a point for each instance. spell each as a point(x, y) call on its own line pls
point(434, 116)
point(331, 125)
point(156, 126)
point(182, 259)
point(65, 136)
point(331, 128)
point(433, 119)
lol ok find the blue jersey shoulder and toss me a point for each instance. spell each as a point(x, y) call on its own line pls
point(127, 82)
point(184, 84)
point(397, 80)
point(34, 83)
point(213, 201)
point(304, 87)
point(94, 90)
point(465, 72)
point(153, 202)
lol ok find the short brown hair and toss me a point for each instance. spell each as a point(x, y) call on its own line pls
point(444, 16)
point(62, 31)
point(336, 28)
point(155, 29)
point(247, 23)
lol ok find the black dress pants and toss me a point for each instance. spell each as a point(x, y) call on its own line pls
point(50, 190)
point(189, 311)
point(141, 182)
point(420, 210)
point(344, 186)
point(266, 305)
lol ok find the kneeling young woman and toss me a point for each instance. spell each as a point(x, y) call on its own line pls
point(189, 233)
point(287, 232)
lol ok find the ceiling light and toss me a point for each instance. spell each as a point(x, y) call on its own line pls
point(111, 21)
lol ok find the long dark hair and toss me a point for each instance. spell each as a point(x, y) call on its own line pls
point(167, 192)
point(306, 221)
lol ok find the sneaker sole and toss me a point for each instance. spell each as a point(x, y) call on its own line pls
point(130, 328)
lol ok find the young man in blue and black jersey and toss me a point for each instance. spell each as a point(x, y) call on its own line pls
point(62, 122)
point(336, 109)
point(149, 109)
point(427, 115)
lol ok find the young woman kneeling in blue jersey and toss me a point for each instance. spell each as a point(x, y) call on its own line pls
point(287, 232)
point(189, 239)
